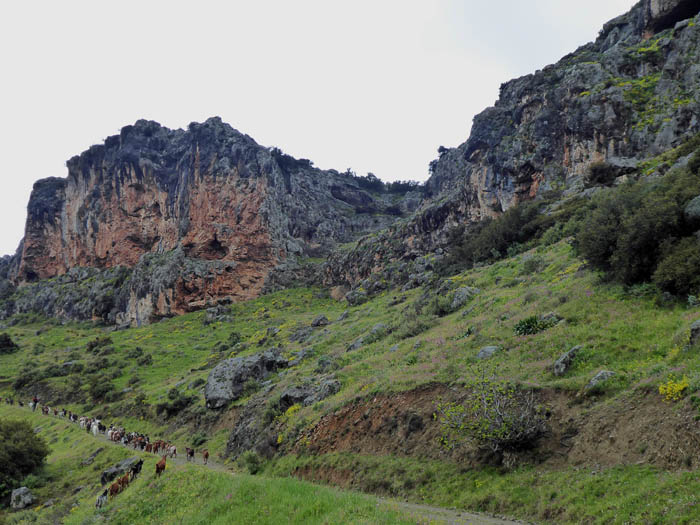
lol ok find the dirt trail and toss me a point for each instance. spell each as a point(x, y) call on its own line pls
point(424, 514)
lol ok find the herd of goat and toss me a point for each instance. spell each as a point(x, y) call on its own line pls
point(118, 435)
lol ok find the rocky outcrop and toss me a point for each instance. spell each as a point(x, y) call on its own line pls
point(119, 469)
point(227, 381)
point(628, 96)
point(21, 498)
point(200, 215)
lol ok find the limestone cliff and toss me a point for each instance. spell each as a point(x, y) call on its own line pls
point(628, 96)
point(202, 215)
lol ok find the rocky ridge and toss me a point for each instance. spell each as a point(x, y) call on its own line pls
point(630, 95)
point(158, 222)
point(183, 219)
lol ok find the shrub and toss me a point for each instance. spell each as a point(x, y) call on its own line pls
point(22, 452)
point(638, 232)
point(600, 173)
point(146, 360)
point(7, 345)
point(532, 265)
point(234, 338)
point(99, 386)
point(677, 272)
point(532, 325)
point(440, 305)
point(673, 390)
point(177, 402)
point(97, 344)
point(199, 439)
point(251, 461)
point(412, 325)
point(497, 416)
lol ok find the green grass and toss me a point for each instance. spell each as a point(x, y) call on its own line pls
point(194, 495)
point(625, 494)
point(622, 330)
point(63, 472)
point(184, 494)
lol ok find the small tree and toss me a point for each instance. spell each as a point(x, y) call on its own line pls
point(22, 452)
point(497, 416)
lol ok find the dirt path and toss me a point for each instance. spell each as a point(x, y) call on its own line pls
point(424, 514)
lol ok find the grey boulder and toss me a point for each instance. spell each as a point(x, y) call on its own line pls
point(695, 332)
point(308, 394)
point(117, 470)
point(562, 365)
point(599, 378)
point(226, 381)
point(462, 296)
point(319, 320)
point(21, 498)
point(488, 351)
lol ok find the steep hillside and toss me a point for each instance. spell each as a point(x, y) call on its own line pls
point(353, 402)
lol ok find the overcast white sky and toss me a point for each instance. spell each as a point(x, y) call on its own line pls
point(373, 85)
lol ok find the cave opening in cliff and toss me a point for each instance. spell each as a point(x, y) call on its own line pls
point(216, 249)
point(682, 11)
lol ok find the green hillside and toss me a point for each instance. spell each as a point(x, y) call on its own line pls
point(423, 353)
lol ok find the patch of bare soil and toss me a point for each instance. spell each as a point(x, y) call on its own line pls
point(639, 428)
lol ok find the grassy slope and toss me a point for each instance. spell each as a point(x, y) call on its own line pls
point(184, 494)
point(622, 330)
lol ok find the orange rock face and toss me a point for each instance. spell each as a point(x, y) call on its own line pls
point(106, 214)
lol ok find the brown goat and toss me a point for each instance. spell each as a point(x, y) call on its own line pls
point(160, 466)
point(205, 455)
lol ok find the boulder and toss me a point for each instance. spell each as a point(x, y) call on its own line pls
point(488, 352)
point(226, 381)
point(21, 498)
point(319, 320)
point(117, 470)
point(562, 365)
point(695, 332)
point(301, 335)
point(551, 318)
point(356, 344)
point(355, 297)
point(88, 460)
point(599, 378)
point(462, 296)
point(217, 314)
point(308, 394)
point(377, 330)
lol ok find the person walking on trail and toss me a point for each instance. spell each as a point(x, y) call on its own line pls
point(35, 400)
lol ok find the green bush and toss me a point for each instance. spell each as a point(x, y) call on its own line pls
point(7, 345)
point(637, 226)
point(600, 173)
point(22, 452)
point(234, 338)
point(97, 344)
point(532, 325)
point(251, 461)
point(678, 271)
point(412, 325)
point(177, 402)
point(199, 439)
point(497, 416)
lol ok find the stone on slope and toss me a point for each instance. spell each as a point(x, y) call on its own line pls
point(226, 381)
point(21, 498)
point(488, 351)
point(119, 469)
